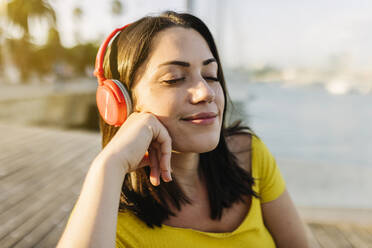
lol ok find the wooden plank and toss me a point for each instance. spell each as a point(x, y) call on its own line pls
point(356, 236)
point(10, 140)
point(73, 170)
point(17, 164)
point(38, 183)
point(43, 154)
point(329, 236)
point(359, 217)
point(73, 166)
point(9, 146)
point(18, 151)
point(35, 169)
point(313, 242)
point(46, 197)
point(363, 233)
point(45, 225)
point(15, 216)
point(16, 133)
point(63, 142)
point(51, 238)
point(48, 206)
point(42, 228)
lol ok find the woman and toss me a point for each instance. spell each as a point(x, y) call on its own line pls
point(202, 184)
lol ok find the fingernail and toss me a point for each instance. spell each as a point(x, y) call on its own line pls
point(154, 182)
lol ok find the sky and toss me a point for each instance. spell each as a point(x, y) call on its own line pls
point(282, 33)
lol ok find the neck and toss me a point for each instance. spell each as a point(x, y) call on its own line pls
point(185, 169)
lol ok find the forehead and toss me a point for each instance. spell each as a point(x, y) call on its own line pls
point(178, 43)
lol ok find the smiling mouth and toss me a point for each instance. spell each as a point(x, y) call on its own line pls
point(202, 121)
point(202, 115)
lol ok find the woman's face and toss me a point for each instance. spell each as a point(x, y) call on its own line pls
point(193, 92)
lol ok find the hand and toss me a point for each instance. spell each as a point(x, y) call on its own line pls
point(142, 131)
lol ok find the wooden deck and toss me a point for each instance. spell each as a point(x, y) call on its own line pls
point(42, 171)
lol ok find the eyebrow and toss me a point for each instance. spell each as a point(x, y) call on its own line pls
point(186, 64)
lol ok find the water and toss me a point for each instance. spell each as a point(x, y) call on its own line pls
point(322, 142)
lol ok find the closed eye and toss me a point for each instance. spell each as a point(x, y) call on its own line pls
point(172, 81)
point(212, 78)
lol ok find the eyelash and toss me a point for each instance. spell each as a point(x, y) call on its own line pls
point(172, 81)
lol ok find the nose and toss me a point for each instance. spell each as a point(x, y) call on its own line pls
point(202, 92)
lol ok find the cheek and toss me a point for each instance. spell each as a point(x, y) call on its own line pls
point(165, 105)
point(154, 100)
point(220, 98)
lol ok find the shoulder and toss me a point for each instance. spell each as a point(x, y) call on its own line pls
point(240, 145)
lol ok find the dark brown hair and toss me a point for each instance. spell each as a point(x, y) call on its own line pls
point(226, 181)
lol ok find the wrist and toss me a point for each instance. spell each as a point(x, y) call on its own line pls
point(111, 161)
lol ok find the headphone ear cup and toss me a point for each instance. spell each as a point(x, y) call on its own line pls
point(113, 102)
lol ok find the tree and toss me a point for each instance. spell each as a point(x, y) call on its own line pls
point(1, 51)
point(21, 55)
point(117, 7)
point(77, 14)
point(19, 13)
point(23, 52)
point(82, 56)
point(45, 57)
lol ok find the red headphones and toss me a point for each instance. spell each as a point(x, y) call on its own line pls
point(113, 99)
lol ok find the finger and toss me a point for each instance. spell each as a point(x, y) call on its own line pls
point(158, 157)
point(164, 151)
point(154, 165)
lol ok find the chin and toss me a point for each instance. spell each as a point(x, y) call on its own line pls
point(208, 149)
point(197, 146)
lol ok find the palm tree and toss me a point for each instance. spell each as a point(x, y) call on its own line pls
point(1, 51)
point(20, 11)
point(49, 55)
point(22, 51)
point(117, 7)
point(2, 47)
point(77, 14)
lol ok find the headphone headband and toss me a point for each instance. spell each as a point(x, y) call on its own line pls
point(98, 70)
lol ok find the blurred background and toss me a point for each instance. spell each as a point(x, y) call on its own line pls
point(300, 73)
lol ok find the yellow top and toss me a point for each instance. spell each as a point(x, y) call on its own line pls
point(132, 232)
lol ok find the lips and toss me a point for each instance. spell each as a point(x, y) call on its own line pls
point(202, 115)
